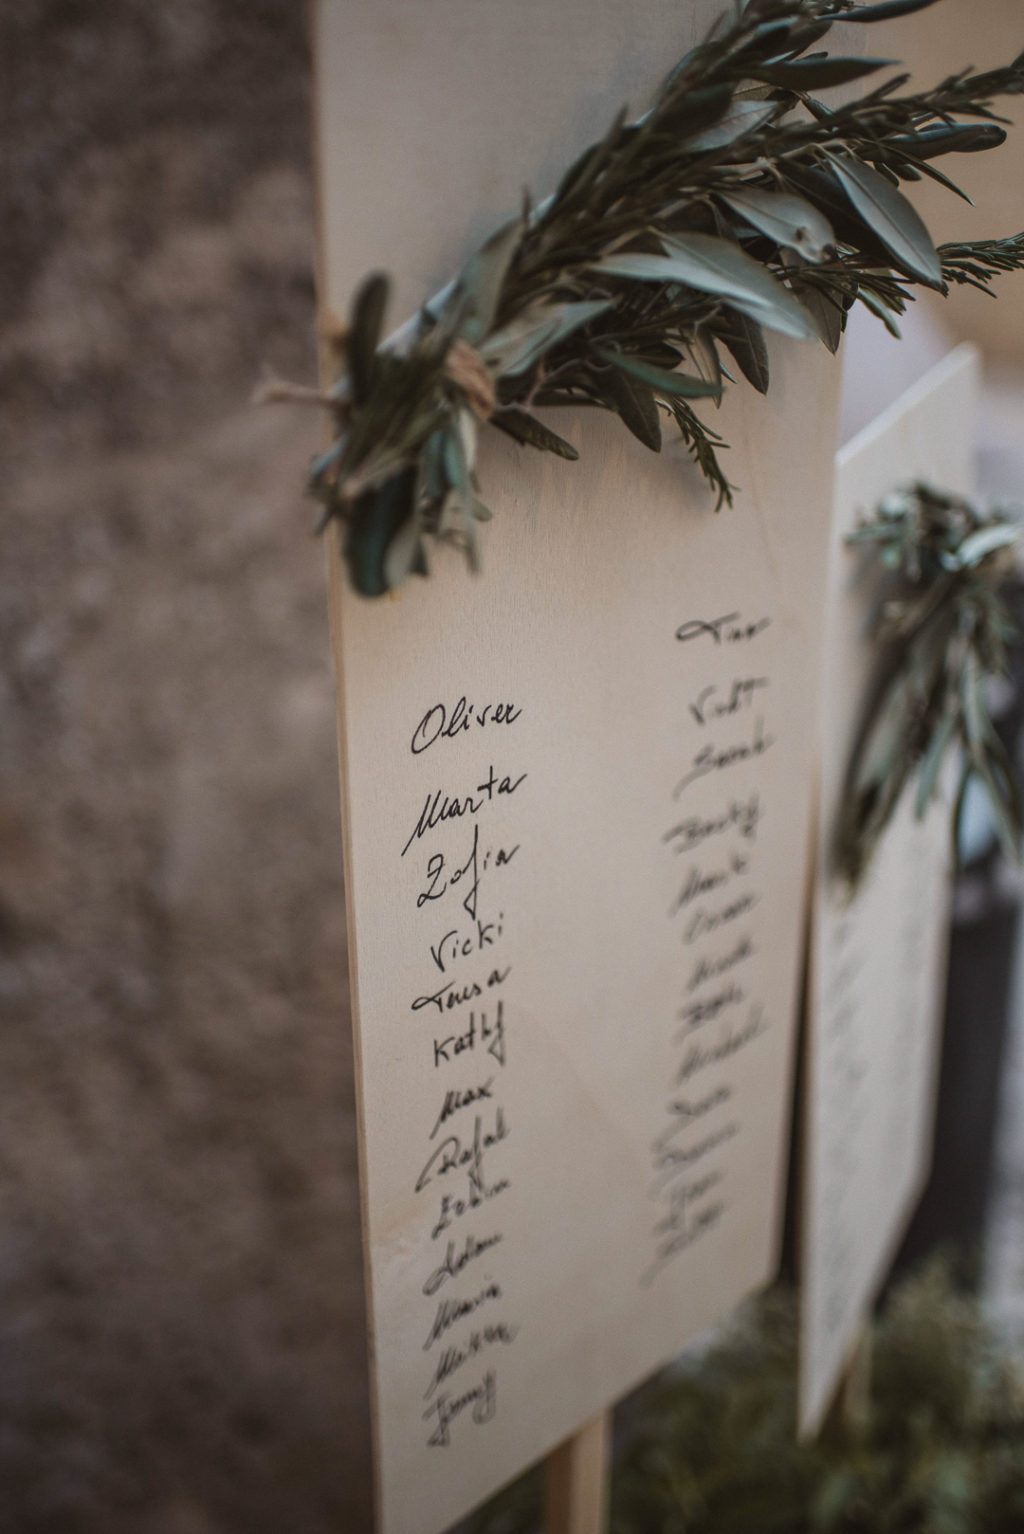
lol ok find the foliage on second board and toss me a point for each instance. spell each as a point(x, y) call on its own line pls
point(942, 630)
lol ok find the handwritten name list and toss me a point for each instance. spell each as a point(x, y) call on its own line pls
point(718, 804)
point(462, 841)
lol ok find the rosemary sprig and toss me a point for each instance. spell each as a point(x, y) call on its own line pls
point(738, 203)
point(943, 630)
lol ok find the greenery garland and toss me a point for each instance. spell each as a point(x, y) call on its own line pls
point(712, 1448)
point(942, 628)
point(738, 203)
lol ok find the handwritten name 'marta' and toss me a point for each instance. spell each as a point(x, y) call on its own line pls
point(440, 806)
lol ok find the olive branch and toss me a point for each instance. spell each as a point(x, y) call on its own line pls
point(943, 629)
point(738, 203)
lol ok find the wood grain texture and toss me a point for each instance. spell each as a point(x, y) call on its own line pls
point(578, 1480)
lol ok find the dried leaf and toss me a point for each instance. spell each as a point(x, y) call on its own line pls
point(376, 519)
point(886, 10)
point(404, 554)
point(826, 314)
point(742, 117)
point(816, 74)
point(482, 278)
point(522, 342)
point(716, 266)
point(675, 385)
point(898, 225)
point(745, 340)
point(526, 428)
point(635, 405)
point(789, 220)
point(365, 326)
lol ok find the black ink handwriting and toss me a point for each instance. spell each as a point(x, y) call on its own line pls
point(709, 703)
point(441, 806)
point(483, 1398)
point(712, 759)
point(454, 1262)
point(438, 724)
point(731, 629)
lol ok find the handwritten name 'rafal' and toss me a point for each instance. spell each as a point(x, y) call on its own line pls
point(441, 806)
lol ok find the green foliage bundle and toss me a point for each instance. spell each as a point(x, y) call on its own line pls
point(738, 203)
point(942, 629)
point(939, 1449)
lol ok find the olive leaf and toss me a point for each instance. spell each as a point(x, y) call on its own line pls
point(634, 403)
point(524, 340)
point(743, 117)
point(713, 265)
point(791, 221)
point(815, 74)
point(376, 518)
point(526, 428)
point(745, 340)
point(898, 225)
point(366, 324)
point(482, 278)
point(671, 384)
point(827, 314)
point(969, 138)
point(885, 11)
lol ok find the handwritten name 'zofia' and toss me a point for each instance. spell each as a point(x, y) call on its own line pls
point(439, 807)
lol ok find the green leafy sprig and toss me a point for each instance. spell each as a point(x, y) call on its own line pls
point(738, 203)
point(943, 629)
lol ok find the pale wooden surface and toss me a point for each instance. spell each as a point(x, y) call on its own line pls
point(633, 1033)
point(578, 1480)
point(877, 965)
point(854, 1397)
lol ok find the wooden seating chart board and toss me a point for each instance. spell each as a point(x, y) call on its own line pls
point(576, 804)
point(878, 962)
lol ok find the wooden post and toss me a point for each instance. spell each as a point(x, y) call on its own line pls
point(854, 1398)
point(577, 1482)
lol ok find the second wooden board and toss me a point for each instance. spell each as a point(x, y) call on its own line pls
point(878, 961)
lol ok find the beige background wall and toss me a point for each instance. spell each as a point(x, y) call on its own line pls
point(984, 34)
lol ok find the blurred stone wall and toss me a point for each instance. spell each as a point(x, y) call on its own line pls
point(181, 1314)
